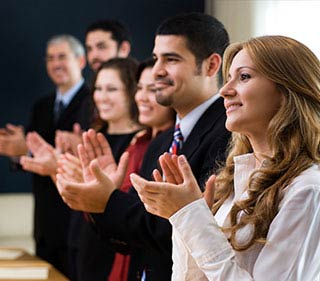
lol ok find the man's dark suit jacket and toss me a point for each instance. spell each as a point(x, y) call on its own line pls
point(126, 222)
point(51, 214)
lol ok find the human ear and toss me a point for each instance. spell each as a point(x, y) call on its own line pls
point(213, 64)
point(124, 49)
point(82, 62)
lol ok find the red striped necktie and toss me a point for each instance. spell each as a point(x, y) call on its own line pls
point(177, 140)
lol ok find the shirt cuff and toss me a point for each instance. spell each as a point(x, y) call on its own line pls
point(200, 233)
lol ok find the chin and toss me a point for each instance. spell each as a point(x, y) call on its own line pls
point(105, 117)
point(231, 126)
point(144, 120)
point(164, 100)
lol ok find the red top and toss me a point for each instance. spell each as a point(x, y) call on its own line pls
point(136, 149)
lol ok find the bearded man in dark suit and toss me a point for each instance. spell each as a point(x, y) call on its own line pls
point(188, 50)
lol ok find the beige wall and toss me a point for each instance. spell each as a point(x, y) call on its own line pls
point(244, 19)
point(236, 15)
point(16, 221)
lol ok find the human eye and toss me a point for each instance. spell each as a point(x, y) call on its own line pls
point(244, 76)
point(112, 89)
point(62, 57)
point(97, 88)
point(102, 46)
point(172, 59)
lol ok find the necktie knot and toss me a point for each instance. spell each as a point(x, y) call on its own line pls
point(177, 140)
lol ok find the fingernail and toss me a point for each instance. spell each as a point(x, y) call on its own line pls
point(182, 159)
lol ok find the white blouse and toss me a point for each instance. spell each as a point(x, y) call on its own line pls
point(201, 250)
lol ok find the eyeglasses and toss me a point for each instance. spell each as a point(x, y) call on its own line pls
point(59, 58)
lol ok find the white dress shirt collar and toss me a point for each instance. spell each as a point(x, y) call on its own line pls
point(188, 122)
point(68, 95)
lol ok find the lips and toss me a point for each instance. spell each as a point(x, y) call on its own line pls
point(104, 107)
point(160, 86)
point(95, 64)
point(58, 71)
point(144, 108)
point(231, 106)
point(163, 82)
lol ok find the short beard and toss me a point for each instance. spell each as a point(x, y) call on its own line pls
point(163, 100)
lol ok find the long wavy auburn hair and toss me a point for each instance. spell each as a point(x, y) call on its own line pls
point(294, 133)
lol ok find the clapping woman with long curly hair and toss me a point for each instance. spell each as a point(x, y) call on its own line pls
point(259, 218)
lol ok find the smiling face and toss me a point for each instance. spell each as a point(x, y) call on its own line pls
point(100, 47)
point(178, 80)
point(110, 96)
point(151, 113)
point(63, 66)
point(250, 99)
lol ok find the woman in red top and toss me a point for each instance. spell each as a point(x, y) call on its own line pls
point(157, 118)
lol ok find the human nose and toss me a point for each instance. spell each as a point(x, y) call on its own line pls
point(227, 90)
point(141, 95)
point(100, 96)
point(158, 69)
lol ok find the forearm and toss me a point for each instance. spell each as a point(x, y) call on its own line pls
point(197, 233)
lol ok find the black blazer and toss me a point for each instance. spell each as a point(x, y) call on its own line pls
point(51, 214)
point(125, 221)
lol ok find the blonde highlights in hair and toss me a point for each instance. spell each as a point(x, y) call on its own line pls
point(294, 133)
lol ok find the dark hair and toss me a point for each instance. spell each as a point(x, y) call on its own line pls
point(127, 68)
point(147, 63)
point(204, 34)
point(118, 30)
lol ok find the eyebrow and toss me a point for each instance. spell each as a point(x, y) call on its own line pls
point(99, 43)
point(244, 66)
point(169, 54)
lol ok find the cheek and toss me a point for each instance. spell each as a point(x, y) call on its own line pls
point(96, 97)
point(89, 56)
point(137, 97)
point(152, 99)
point(121, 103)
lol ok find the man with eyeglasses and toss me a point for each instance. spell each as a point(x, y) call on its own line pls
point(69, 103)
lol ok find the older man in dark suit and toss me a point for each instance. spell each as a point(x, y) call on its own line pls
point(187, 52)
point(68, 104)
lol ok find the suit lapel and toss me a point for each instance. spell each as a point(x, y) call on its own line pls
point(205, 123)
point(74, 104)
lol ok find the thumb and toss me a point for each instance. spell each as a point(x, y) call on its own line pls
point(137, 182)
point(210, 190)
point(39, 139)
point(186, 170)
point(98, 173)
point(123, 162)
point(77, 129)
point(121, 169)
